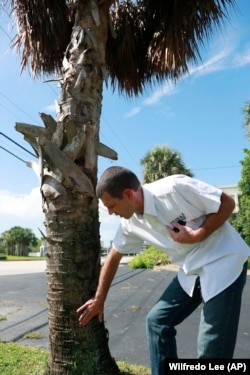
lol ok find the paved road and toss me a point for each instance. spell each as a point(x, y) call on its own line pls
point(133, 292)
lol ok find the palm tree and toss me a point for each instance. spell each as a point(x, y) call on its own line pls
point(161, 162)
point(18, 240)
point(88, 42)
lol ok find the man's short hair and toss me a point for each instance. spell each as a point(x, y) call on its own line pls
point(115, 180)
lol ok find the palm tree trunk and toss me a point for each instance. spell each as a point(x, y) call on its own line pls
point(69, 147)
point(73, 268)
point(72, 217)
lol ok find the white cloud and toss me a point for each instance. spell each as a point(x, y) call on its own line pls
point(134, 111)
point(24, 210)
point(215, 63)
point(168, 88)
point(21, 205)
point(224, 60)
point(242, 59)
point(52, 108)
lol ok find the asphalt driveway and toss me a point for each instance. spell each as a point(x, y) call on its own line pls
point(132, 294)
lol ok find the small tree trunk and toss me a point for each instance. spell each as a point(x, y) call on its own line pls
point(73, 265)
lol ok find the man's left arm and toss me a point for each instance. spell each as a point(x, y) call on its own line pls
point(212, 222)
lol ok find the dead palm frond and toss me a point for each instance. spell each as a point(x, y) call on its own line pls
point(43, 33)
point(158, 39)
point(127, 49)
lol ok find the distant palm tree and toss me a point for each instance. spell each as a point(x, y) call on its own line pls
point(161, 162)
point(18, 240)
point(89, 42)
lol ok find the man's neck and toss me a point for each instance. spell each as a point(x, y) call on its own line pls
point(139, 199)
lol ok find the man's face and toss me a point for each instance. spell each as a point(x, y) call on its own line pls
point(123, 207)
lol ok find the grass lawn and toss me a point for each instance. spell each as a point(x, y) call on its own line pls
point(12, 257)
point(23, 360)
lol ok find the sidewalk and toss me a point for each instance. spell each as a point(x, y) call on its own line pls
point(33, 266)
point(21, 267)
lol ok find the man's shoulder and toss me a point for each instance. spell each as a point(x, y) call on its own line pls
point(164, 185)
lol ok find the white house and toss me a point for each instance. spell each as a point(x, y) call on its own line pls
point(234, 192)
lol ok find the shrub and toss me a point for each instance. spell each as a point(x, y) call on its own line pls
point(149, 258)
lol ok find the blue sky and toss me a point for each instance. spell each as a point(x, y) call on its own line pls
point(200, 116)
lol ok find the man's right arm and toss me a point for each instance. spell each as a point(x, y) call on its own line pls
point(95, 306)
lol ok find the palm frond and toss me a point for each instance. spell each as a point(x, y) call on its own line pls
point(182, 27)
point(126, 51)
point(156, 40)
point(43, 32)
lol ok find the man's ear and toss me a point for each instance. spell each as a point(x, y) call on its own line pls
point(128, 193)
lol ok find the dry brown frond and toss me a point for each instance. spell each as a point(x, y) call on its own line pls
point(126, 53)
point(43, 32)
point(158, 39)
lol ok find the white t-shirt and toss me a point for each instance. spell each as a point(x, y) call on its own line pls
point(217, 260)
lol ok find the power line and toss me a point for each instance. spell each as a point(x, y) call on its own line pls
point(31, 164)
point(8, 110)
point(5, 11)
point(20, 109)
point(25, 149)
point(125, 148)
point(5, 33)
point(13, 154)
point(204, 169)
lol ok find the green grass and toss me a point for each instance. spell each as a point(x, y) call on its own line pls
point(23, 360)
point(12, 257)
point(33, 335)
point(20, 360)
point(149, 258)
point(127, 369)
